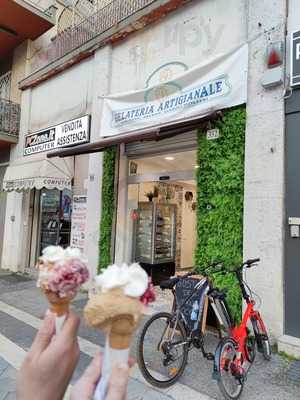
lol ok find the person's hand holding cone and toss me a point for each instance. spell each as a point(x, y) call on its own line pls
point(117, 310)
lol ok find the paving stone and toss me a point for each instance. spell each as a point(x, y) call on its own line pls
point(3, 365)
point(11, 396)
point(155, 395)
point(293, 372)
point(7, 385)
point(136, 390)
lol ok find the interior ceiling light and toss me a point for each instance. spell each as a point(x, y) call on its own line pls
point(169, 158)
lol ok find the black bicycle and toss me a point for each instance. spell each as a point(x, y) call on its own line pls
point(166, 338)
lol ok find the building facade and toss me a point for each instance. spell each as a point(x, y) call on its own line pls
point(15, 38)
point(160, 49)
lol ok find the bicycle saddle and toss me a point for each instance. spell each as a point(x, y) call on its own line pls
point(169, 283)
point(219, 294)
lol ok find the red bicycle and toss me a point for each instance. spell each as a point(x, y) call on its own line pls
point(236, 352)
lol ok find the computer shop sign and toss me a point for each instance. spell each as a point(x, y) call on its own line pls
point(70, 133)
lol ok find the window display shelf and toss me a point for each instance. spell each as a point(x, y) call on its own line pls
point(154, 233)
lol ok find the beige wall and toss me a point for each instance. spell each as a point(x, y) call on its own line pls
point(81, 175)
point(18, 71)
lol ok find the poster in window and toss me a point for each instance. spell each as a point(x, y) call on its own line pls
point(78, 227)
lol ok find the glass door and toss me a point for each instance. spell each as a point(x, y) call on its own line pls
point(65, 218)
point(49, 218)
point(55, 218)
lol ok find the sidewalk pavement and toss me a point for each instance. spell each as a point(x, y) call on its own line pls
point(7, 381)
point(22, 307)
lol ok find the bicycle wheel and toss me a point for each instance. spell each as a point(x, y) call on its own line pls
point(162, 354)
point(230, 382)
point(250, 349)
point(262, 340)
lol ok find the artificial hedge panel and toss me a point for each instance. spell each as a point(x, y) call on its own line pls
point(220, 190)
point(108, 208)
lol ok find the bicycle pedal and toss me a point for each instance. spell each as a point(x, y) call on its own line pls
point(210, 356)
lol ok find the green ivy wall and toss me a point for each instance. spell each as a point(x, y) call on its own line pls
point(220, 195)
point(107, 208)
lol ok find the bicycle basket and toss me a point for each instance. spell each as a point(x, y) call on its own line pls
point(190, 300)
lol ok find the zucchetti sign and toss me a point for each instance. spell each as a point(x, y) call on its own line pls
point(69, 133)
point(194, 93)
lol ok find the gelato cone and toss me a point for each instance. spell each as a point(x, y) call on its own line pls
point(61, 273)
point(57, 305)
point(121, 331)
point(117, 309)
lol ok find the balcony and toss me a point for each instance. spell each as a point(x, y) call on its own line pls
point(9, 122)
point(109, 24)
point(107, 17)
point(21, 20)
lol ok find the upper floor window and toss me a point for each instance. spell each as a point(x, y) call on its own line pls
point(5, 82)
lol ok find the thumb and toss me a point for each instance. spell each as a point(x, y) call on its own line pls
point(44, 335)
point(118, 383)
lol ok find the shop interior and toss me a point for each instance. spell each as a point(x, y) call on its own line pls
point(49, 221)
point(55, 218)
point(162, 212)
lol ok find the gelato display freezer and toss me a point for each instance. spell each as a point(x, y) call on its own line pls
point(154, 244)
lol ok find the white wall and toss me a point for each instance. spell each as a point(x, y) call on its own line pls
point(264, 165)
point(65, 97)
point(194, 33)
point(188, 230)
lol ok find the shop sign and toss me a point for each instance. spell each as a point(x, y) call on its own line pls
point(78, 225)
point(295, 58)
point(38, 183)
point(198, 92)
point(70, 133)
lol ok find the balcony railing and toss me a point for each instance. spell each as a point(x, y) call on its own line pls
point(9, 118)
point(96, 24)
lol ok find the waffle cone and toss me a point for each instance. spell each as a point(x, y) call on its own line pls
point(121, 332)
point(57, 305)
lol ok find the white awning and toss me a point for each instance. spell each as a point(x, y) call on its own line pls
point(35, 172)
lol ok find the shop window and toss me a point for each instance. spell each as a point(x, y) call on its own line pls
point(55, 218)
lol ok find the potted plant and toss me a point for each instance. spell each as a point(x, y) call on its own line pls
point(152, 194)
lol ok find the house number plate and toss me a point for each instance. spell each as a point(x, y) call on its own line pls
point(213, 134)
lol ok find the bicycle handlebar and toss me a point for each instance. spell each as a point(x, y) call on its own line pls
point(219, 268)
point(250, 262)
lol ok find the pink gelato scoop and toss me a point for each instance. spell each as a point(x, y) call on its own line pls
point(66, 278)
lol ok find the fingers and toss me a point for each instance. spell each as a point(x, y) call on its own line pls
point(118, 383)
point(93, 372)
point(131, 362)
point(70, 329)
point(44, 335)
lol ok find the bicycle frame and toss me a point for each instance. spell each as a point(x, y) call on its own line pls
point(177, 313)
point(240, 334)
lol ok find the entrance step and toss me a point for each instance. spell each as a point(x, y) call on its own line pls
point(289, 345)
